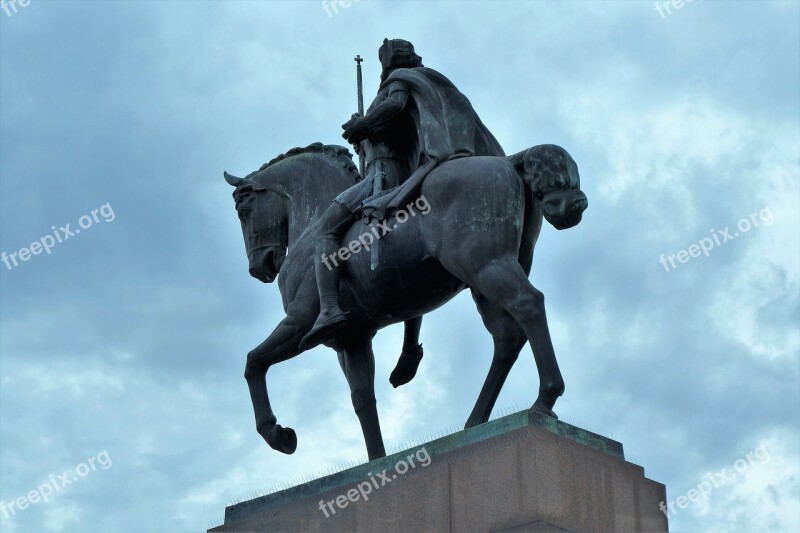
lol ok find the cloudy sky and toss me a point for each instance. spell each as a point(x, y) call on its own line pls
point(127, 342)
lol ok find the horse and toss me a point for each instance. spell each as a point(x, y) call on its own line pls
point(479, 229)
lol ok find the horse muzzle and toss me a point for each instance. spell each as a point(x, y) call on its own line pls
point(265, 263)
point(564, 209)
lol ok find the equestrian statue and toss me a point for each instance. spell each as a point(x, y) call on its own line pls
point(438, 209)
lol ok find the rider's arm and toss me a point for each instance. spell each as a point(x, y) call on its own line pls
point(395, 103)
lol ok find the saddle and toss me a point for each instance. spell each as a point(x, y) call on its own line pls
point(385, 203)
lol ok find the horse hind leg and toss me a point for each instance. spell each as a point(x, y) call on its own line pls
point(358, 364)
point(509, 338)
point(504, 282)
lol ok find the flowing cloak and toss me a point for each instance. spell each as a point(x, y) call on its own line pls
point(447, 127)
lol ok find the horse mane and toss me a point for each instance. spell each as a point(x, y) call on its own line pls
point(339, 153)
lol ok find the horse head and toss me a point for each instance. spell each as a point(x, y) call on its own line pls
point(555, 182)
point(276, 203)
point(264, 212)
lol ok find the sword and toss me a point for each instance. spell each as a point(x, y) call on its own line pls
point(358, 59)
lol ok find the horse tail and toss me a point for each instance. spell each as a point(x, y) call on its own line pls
point(553, 179)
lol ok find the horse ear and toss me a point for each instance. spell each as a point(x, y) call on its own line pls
point(233, 180)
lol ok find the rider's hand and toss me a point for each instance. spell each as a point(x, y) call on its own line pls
point(355, 129)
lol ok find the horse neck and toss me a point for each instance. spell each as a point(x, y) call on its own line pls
point(312, 185)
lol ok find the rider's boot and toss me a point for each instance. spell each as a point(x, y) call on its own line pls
point(331, 317)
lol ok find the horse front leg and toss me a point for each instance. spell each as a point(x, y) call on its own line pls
point(410, 357)
point(358, 364)
point(280, 346)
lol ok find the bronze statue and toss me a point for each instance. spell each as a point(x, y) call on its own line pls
point(453, 212)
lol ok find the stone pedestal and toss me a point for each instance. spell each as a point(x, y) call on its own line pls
point(523, 472)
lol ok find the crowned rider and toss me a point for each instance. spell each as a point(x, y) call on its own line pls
point(417, 120)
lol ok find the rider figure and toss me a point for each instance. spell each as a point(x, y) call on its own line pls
point(417, 120)
point(388, 139)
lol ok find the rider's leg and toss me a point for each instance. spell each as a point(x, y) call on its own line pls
point(335, 222)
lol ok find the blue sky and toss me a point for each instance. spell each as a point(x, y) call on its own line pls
point(130, 337)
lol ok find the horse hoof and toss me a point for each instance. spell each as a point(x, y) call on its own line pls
point(282, 439)
point(406, 367)
point(472, 423)
point(541, 408)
